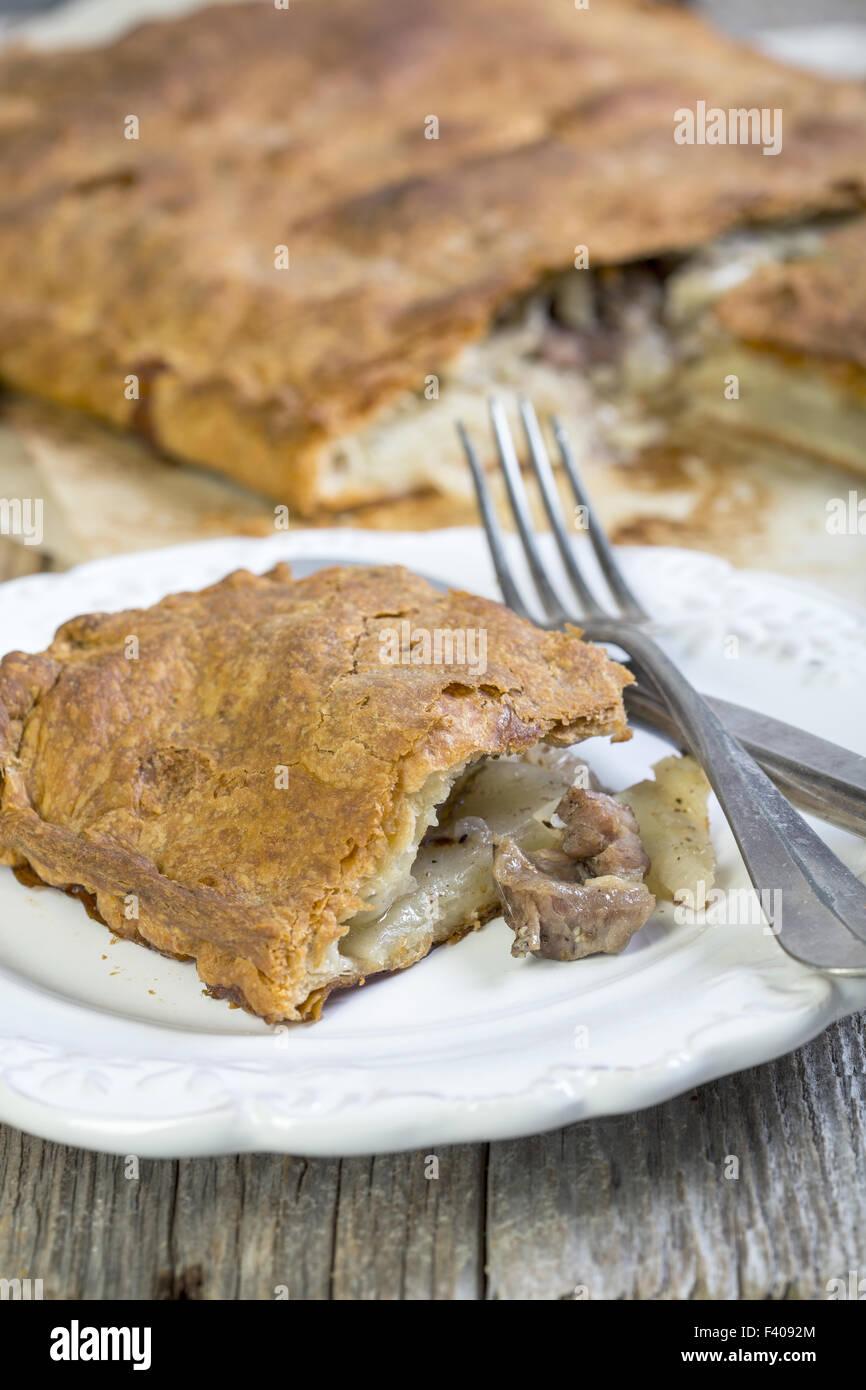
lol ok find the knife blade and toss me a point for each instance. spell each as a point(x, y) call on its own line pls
point(820, 776)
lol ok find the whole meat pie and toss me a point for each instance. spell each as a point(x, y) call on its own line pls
point(293, 244)
point(245, 775)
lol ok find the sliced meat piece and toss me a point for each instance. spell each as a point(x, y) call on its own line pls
point(586, 897)
point(604, 833)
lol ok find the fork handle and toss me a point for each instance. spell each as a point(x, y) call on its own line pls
point(818, 775)
point(814, 904)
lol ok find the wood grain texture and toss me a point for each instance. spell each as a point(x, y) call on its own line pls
point(634, 1207)
point(639, 1206)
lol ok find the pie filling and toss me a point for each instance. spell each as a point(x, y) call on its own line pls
point(574, 870)
point(412, 445)
point(451, 886)
point(616, 353)
point(821, 413)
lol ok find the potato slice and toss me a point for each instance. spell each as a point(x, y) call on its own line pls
point(674, 829)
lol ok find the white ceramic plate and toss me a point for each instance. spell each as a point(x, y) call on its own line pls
point(107, 1045)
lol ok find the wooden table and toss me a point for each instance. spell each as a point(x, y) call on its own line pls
point(632, 1207)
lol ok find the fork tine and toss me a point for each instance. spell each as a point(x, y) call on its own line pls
point(550, 496)
point(520, 508)
point(510, 592)
point(630, 606)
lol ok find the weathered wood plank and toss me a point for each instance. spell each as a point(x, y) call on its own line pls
point(252, 1227)
point(631, 1207)
point(401, 1234)
point(640, 1207)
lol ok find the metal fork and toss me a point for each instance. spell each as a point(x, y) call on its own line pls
point(823, 918)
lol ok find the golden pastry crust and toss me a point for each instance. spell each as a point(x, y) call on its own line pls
point(811, 307)
point(305, 128)
point(159, 775)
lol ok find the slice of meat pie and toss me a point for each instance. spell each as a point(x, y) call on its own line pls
point(245, 775)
